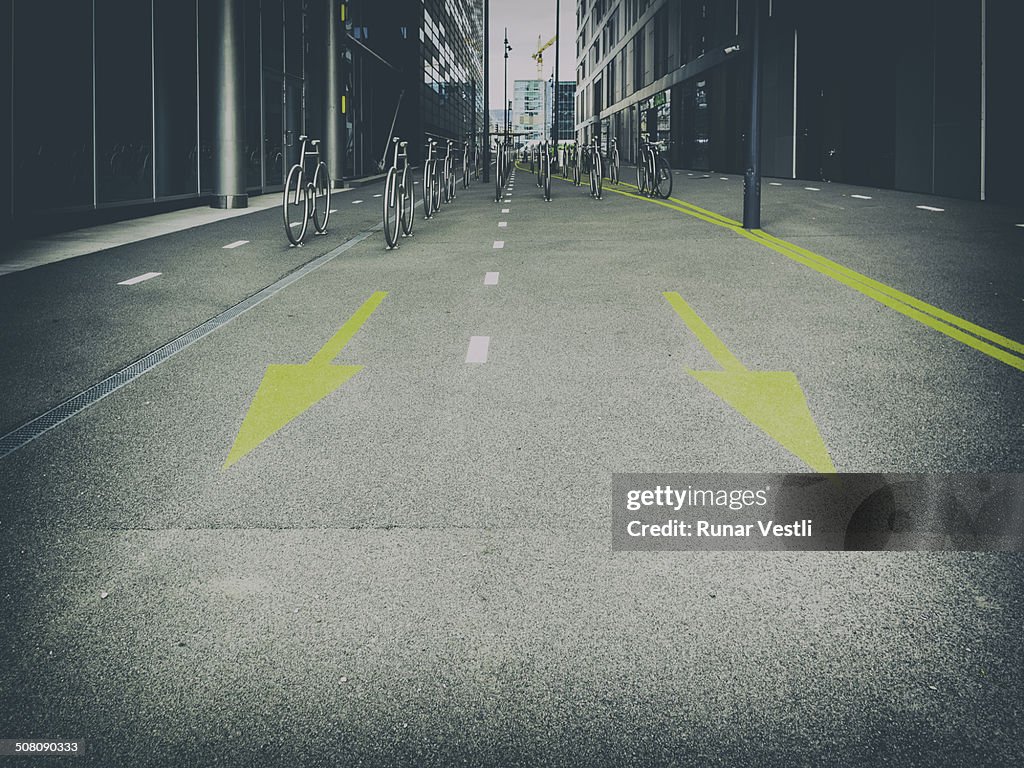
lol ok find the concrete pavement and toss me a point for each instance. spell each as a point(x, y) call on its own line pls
point(417, 570)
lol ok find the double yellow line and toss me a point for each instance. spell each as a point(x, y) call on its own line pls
point(994, 345)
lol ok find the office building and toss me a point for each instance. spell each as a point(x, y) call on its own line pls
point(121, 107)
point(917, 95)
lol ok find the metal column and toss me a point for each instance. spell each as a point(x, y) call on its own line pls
point(229, 183)
point(333, 145)
point(752, 178)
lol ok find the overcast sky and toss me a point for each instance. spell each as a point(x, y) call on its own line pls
point(526, 19)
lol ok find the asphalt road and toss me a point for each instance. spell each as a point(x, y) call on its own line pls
point(417, 570)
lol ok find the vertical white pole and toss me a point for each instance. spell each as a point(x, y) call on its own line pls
point(795, 41)
point(984, 55)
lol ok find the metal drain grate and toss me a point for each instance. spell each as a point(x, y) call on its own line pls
point(29, 431)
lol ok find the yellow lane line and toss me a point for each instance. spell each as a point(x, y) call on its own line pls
point(945, 322)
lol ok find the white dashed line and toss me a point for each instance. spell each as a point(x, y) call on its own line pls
point(506, 210)
point(383, 195)
point(477, 352)
point(861, 197)
point(140, 278)
point(774, 184)
point(813, 189)
point(1019, 225)
point(931, 208)
point(236, 243)
point(356, 202)
point(502, 223)
point(722, 178)
point(334, 210)
point(295, 224)
point(491, 278)
point(499, 243)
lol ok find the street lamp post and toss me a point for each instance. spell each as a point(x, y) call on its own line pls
point(505, 99)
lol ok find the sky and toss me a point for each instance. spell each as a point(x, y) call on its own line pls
point(526, 19)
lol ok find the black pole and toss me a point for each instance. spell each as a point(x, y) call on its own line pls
point(554, 109)
point(487, 92)
point(752, 178)
point(504, 98)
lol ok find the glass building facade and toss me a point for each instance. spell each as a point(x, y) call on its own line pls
point(116, 104)
point(916, 95)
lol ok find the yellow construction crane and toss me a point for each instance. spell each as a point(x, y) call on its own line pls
point(539, 55)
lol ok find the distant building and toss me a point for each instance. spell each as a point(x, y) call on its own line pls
point(921, 96)
point(529, 108)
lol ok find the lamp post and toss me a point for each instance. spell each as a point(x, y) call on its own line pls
point(554, 101)
point(505, 99)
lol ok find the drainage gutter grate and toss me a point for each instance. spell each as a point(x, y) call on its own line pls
point(29, 431)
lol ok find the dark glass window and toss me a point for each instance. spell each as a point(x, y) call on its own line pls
point(174, 56)
point(52, 160)
point(124, 100)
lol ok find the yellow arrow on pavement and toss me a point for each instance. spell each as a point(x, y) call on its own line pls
point(772, 400)
point(288, 391)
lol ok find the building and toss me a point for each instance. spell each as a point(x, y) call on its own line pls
point(530, 110)
point(566, 107)
point(918, 95)
point(169, 103)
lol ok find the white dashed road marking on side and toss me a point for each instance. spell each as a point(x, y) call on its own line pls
point(502, 223)
point(931, 208)
point(491, 278)
point(477, 352)
point(505, 210)
point(356, 202)
point(774, 184)
point(813, 189)
point(236, 243)
point(378, 195)
point(1020, 225)
point(723, 178)
point(140, 278)
point(499, 243)
point(334, 210)
point(861, 197)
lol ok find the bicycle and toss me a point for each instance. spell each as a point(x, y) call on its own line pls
point(300, 196)
point(596, 171)
point(466, 150)
point(399, 195)
point(654, 175)
point(613, 161)
point(431, 183)
point(448, 173)
point(544, 168)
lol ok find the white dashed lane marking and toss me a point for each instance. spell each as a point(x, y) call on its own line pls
point(502, 223)
point(140, 278)
point(506, 210)
point(931, 208)
point(356, 202)
point(491, 278)
point(236, 243)
point(499, 243)
point(477, 352)
point(813, 189)
point(861, 197)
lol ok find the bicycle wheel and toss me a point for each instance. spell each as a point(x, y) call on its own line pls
point(407, 202)
point(663, 178)
point(465, 171)
point(296, 206)
point(452, 186)
point(427, 173)
point(598, 174)
point(641, 175)
point(498, 170)
point(613, 167)
point(321, 196)
point(435, 191)
point(547, 179)
point(391, 209)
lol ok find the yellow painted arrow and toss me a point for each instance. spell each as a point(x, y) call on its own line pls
point(290, 390)
point(772, 400)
